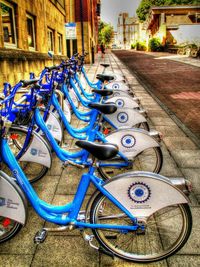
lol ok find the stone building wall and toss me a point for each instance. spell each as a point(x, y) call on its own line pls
point(19, 59)
point(17, 62)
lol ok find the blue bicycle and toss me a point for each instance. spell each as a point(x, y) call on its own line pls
point(143, 154)
point(131, 216)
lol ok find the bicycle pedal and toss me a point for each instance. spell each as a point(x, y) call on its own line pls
point(40, 236)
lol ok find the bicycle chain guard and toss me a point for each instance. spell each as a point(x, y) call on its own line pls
point(13, 204)
point(125, 118)
point(144, 193)
point(131, 142)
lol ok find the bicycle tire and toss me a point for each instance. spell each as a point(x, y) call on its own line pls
point(8, 228)
point(155, 237)
point(148, 160)
point(34, 171)
point(143, 125)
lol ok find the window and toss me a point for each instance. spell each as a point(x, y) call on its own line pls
point(50, 40)
point(59, 43)
point(31, 31)
point(9, 29)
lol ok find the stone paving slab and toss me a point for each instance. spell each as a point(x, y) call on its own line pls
point(184, 261)
point(58, 251)
point(15, 260)
point(163, 121)
point(187, 158)
point(182, 143)
point(108, 262)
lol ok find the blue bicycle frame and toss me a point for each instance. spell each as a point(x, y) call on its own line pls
point(82, 154)
point(92, 133)
point(92, 85)
point(57, 214)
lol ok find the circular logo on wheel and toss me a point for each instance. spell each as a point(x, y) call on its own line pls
point(120, 103)
point(128, 141)
point(122, 117)
point(139, 192)
point(115, 86)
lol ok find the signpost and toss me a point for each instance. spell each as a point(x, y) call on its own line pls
point(70, 30)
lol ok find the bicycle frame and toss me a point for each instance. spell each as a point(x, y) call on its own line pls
point(56, 214)
point(92, 85)
point(66, 155)
point(80, 115)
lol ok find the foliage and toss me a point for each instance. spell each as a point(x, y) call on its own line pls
point(145, 6)
point(133, 46)
point(155, 45)
point(140, 46)
point(106, 33)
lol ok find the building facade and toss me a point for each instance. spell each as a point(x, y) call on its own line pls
point(127, 30)
point(32, 30)
point(90, 16)
point(28, 30)
point(175, 25)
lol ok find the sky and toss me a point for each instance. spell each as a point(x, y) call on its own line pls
point(110, 9)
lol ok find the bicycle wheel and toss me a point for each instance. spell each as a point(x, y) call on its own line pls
point(166, 231)
point(34, 171)
point(143, 125)
point(8, 228)
point(150, 159)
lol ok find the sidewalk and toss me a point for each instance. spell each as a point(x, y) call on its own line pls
point(181, 159)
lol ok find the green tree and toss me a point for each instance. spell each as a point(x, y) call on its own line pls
point(106, 33)
point(145, 6)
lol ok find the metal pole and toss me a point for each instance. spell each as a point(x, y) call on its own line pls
point(82, 26)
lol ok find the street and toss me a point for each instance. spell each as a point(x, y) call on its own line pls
point(175, 84)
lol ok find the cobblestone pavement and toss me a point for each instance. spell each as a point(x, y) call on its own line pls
point(174, 80)
point(181, 159)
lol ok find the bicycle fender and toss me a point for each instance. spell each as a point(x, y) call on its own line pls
point(117, 86)
point(144, 193)
point(13, 204)
point(125, 118)
point(123, 102)
point(54, 127)
point(38, 151)
point(132, 142)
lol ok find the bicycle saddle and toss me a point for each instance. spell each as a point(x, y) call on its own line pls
point(25, 83)
point(105, 65)
point(104, 77)
point(104, 92)
point(99, 151)
point(108, 108)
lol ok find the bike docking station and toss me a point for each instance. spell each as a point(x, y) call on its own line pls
point(119, 153)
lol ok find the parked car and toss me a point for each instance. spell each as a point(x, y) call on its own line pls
point(114, 46)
